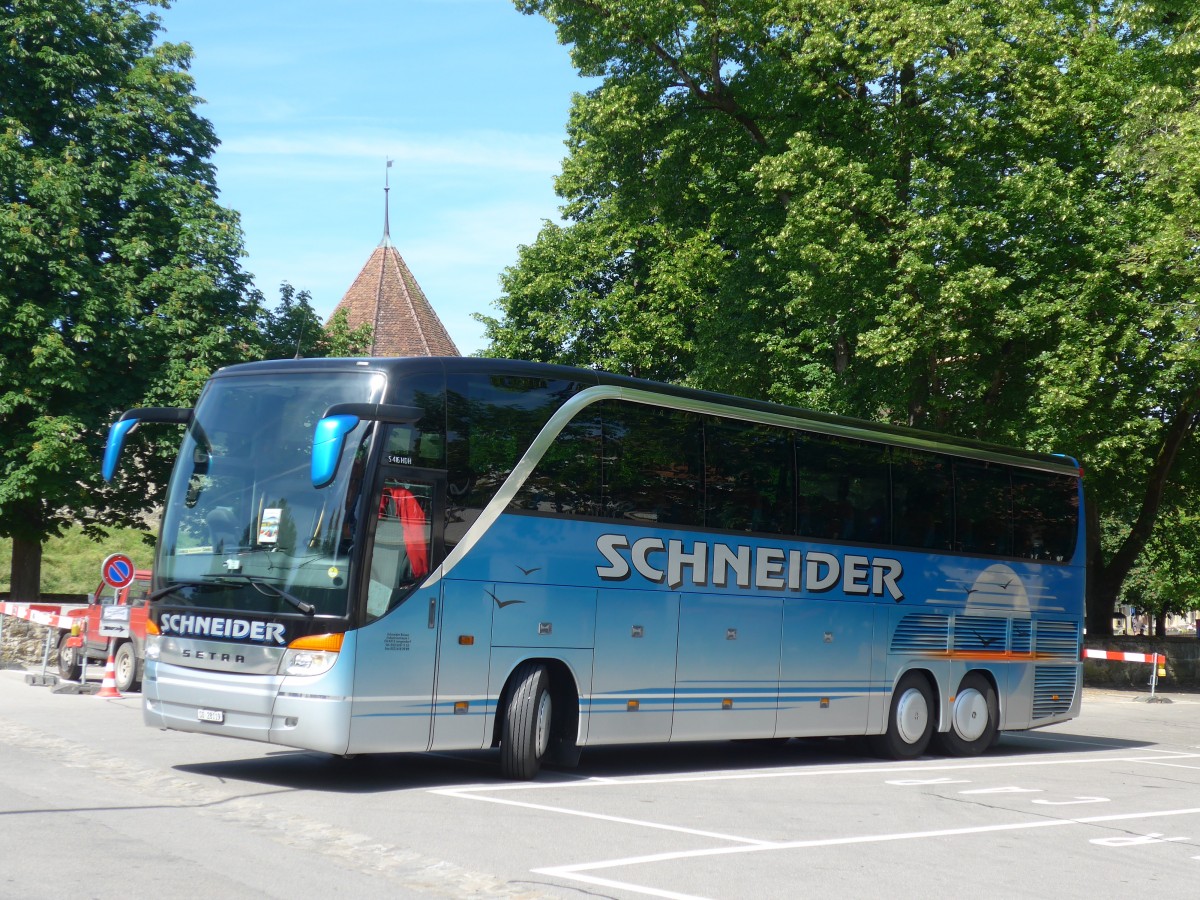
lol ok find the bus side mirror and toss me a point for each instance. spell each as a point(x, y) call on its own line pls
point(128, 421)
point(329, 439)
point(112, 449)
point(339, 420)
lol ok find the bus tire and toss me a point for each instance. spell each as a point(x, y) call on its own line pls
point(974, 718)
point(910, 720)
point(527, 723)
point(69, 666)
point(125, 668)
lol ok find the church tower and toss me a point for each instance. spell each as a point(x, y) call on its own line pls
point(386, 296)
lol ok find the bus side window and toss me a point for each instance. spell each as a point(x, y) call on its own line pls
point(1045, 515)
point(400, 556)
point(748, 477)
point(922, 500)
point(982, 508)
point(652, 464)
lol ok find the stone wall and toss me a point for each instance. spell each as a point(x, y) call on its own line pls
point(25, 643)
point(1183, 662)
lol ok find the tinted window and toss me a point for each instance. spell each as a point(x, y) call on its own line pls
point(1045, 515)
point(491, 421)
point(652, 464)
point(421, 443)
point(843, 489)
point(982, 509)
point(567, 479)
point(922, 500)
point(749, 477)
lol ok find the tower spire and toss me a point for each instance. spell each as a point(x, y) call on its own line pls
point(387, 237)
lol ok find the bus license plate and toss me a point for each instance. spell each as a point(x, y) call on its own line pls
point(211, 715)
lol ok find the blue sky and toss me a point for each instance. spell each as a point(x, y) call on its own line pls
point(469, 97)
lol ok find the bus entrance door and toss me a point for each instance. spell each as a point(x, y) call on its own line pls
point(397, 649)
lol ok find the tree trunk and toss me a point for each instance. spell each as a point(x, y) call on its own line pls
point(1105, 578)
point(26, 580)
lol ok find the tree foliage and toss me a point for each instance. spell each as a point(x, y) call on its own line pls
point(339, 339)
point(978, 216)
point(120, 284)
point(293, 329)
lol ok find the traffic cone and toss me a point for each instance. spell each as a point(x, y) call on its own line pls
point(108, 687)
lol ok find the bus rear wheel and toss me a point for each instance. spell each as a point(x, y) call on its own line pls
point(910, 720)
point(974, 718)
point(527, 723)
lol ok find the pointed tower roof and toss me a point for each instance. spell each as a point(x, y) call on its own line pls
point(386, 296)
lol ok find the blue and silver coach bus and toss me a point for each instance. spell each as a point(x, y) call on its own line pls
point(381, 555)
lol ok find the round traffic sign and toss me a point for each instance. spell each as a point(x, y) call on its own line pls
point(117, 571)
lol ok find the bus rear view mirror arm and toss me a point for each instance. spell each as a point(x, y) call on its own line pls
point(339, 420)
point(128, 421)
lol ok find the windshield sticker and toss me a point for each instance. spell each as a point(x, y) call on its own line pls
point(268, 526)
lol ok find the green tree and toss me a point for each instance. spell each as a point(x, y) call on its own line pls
point(120, 284)
point(1166, 577)
point(339, 339)
point(293, 328)
point(974, 215)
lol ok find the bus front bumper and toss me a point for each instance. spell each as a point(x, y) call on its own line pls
point(306, 713)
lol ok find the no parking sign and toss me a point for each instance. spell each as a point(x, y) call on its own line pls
point(117, 571)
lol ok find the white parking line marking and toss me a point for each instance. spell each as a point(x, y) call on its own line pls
point(816, 772)
point(620, 885)
point(579, 873)
point(575, 872)
point(471, 794)
point(1136, 840)
point(919, 782)
point(1004, 790)
point(1061, 739)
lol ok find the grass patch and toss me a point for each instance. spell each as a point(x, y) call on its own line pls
point(71, 563)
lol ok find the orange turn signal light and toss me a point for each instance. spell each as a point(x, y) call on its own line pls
point(330, 643)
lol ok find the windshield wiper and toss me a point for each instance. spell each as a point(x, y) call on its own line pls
point(178, 585)
point(259, 583)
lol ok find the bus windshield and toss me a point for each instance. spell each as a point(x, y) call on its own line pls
point(243, 527)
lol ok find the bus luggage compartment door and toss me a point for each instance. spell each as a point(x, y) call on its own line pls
point(633, 685)
point(727, 682)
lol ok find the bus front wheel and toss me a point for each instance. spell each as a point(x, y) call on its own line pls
point(526, 734)
point(974, 718)
point(910, 720)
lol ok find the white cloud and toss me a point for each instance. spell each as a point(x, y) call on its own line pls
point(539, 154)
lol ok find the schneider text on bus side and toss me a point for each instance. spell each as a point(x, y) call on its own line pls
point(746, 566)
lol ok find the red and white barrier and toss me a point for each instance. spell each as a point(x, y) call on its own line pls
point(1157, 661)
point(54, 615)
point(1120, 656)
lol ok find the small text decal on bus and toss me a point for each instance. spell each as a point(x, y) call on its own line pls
point(744, 566)
point(218, 626)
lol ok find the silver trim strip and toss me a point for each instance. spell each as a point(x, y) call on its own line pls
point(585, 398)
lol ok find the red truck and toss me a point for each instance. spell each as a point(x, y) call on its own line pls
point(128, 652)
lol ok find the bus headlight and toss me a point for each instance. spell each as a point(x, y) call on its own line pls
point(312, 655)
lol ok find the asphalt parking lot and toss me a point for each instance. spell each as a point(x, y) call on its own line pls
point(1105, 806)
